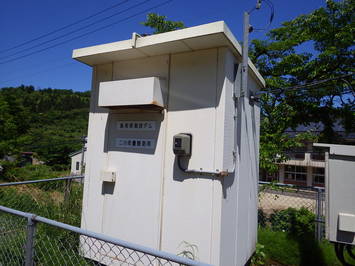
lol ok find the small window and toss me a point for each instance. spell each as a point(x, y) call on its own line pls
point(318, 175)
point(318, 156)
point(269, 177)
point(77, 166)
point(295, 173)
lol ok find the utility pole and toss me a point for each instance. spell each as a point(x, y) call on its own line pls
point(245, 50)
point(82, 155)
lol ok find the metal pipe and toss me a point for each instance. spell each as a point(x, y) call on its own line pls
point(31, 231)
point(41, 180)
point(245, 49)
point(291, 186)
point(319, 215)
point(82, 156)
point(108, 239)
point(16, 212)
point(217, 173)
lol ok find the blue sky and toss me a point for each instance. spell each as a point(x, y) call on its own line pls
point(23, 20)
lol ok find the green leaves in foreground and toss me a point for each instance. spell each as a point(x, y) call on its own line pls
point(312, 47)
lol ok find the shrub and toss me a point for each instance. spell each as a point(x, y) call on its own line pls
point(259, 256)
point(30, 172)
point(298, 222)
point(262, 218)
point(6, 167)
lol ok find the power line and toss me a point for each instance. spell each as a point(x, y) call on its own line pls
point(64, 27)
point(87, 33)
point(76, 30)
point(307, 85)
point(272, 14)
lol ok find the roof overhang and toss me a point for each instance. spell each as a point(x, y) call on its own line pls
point(336, 149)
point(205, 36)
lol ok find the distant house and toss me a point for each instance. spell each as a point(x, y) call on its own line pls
point(306, 165)
point(29, 158)
point(76, 158)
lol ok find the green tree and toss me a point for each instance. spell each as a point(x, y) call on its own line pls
point(49, 122)
point(329, 31)
point(161, 24)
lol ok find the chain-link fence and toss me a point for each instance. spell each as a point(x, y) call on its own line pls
point(291, 208)
point(28, 239)
point(57, 198)
point(281, 208)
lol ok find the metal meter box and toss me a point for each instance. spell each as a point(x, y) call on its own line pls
point(340, 192)
point(182, 144)
point(147, 90)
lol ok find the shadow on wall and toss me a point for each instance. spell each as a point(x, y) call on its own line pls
point(180, 176)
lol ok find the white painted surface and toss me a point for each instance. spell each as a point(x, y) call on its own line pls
point(130, 92)
point(340, 187)
point(192, 109)
point(152, 202)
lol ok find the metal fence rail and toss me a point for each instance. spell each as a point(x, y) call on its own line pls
point(56, 198)
point(276, 199)
point(29, 239)
point(66, 178)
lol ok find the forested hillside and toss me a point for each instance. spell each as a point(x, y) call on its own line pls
point(48, 121)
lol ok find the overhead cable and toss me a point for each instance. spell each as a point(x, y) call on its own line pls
point(307, 85)
point(64, 27)
point(87, 33)
point(76, 30)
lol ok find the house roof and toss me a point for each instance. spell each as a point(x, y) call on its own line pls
point(76, 152)
point(216, 34)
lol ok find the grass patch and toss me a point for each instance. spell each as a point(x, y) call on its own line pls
point(288, 250)
point(30, 172)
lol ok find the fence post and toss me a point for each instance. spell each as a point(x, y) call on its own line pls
point(67, 190)
point(31, 229)
point(319, 215)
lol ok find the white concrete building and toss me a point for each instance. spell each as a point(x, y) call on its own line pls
point(306, 166)
point(156, 95)
point(303, 169)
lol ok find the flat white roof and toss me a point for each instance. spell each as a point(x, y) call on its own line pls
point(216, 34)
point(336, 149)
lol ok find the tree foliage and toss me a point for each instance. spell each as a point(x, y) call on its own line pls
point(49, 122)
point(327, 34)
point(160, 23)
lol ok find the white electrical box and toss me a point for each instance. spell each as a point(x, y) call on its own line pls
point(346, 222)
point(181, 83)
point(108, 176)
point(340, 192)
